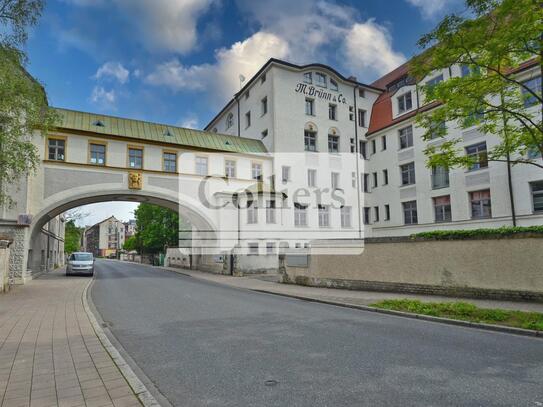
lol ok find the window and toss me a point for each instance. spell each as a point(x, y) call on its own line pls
point(248, 119)
point(376, 214)
point(437, 130)
point(474, 118)
point(366, 182)
point(256, 171)
point(310, 140)
point(324, 216)
point(229, 120)
point(367, 215)
point(135, 157)
point(300, 214)
point(333, 143)
point(387, 212)
point(308, 77)
point(480, 204)
point(334, 180)
point(270, 248)
point(333, 84)
point(285, 174)
point(345, 212)
point(263, 78)
point(478, 154)
point(353, 145)
point(264, 106)
point(230, 168)
point(309, 107)
point(375, 181)
point(408, 173)
point(252, 213)
point(361, 118)
point(169, 161)
point(410, 212)
point(353, 179)
point(98, 154)
point(466, 70)
point(270, 211)
point(373, 146)
point(362, 149)
point(533, 153)
point(537, 195)
point(442, 209)
point(383, 143)
point(320, 79)
point(351, 113)
point(405, 102)
point(247, 94)
point(311, 178)
point(253, 248)
point(201, 165)
point(332, 111)
point(385, 177)
point(362, 93)
point(264, 134)
point(434, 81)
point(534, 85)
point(57, 149)
point(440, 177)
point(406, 137)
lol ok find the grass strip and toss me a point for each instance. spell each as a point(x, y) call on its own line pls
point(467, 312)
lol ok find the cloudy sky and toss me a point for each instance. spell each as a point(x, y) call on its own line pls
point(178, 61)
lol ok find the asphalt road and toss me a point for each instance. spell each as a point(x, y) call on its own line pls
point(204, 344)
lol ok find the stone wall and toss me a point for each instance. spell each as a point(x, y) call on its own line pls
point(18, 252)
point(4, 265)
point(506, 268)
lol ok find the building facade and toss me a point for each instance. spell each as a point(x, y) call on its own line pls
point(106, 238)
point(388, 188)
point(130, 228)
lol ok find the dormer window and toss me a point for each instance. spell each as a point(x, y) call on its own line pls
point(168, 133)
point(405, 103)
point(333, 85)
point(434, 81)
point(320, 79)
point(308, 77)
point(229, 120)
point(98, 123)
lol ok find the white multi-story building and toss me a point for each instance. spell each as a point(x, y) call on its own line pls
point(300, 111)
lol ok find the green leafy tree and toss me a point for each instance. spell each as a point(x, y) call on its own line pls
point(23, 102)
point(130, 244)
point(72, 237)
point(156, 227)
point(495, 39)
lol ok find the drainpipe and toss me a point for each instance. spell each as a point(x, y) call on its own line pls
point(239, 124)
point(357, 157)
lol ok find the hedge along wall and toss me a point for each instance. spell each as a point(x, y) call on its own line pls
point(491, 267)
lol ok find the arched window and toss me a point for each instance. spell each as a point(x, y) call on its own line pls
point(229, 120)
point(333, 140)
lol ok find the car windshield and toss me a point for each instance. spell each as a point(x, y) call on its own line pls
point(82, 256)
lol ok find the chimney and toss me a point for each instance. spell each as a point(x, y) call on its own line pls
point(352, 78)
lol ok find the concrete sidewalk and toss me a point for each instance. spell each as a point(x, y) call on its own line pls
point(268, 283)
point(49, 352)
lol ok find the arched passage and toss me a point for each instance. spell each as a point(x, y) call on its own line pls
point(202, 225)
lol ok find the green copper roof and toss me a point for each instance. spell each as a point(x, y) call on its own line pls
point(116, 126)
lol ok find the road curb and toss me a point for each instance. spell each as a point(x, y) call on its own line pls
point(468, 324)
point(477, 325)
point(140, 390)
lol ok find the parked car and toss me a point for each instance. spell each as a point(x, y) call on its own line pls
point(80, 263)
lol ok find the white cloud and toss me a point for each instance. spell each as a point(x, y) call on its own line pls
point(433, 8)
point(222, 77)
point(368, 48)
point(190, 122)
point(166, 25)
point(114, 70)
point(161, 25)
point(102, 97)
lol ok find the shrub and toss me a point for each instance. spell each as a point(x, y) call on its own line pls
point(504, 231)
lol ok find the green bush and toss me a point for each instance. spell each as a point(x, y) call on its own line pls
point(466, 312)
point(504, 231)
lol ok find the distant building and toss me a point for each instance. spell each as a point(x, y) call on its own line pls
point(105, 238)
point(130, 228)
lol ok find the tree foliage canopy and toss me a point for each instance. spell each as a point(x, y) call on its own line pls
point(492, 43)
point(23, 102)
point(156, 227)
point(72, 237)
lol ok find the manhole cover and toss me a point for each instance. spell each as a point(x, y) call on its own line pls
point(271, 383)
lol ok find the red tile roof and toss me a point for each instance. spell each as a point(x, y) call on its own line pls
point(381, 114)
